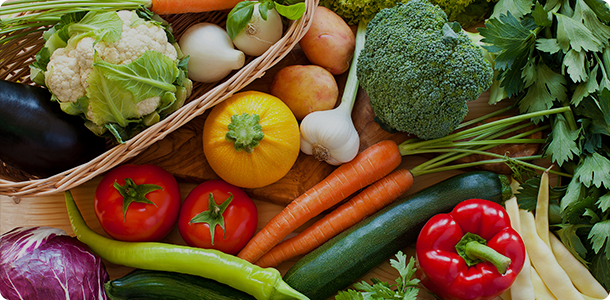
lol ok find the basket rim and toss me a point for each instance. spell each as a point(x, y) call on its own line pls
point(196, 106)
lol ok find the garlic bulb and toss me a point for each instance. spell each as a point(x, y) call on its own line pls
point(330, 135)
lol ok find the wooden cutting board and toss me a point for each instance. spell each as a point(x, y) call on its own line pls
point(181, 152)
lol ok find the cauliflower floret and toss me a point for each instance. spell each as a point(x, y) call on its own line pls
point(148, 106)
point(135, 41)
point(68, 70)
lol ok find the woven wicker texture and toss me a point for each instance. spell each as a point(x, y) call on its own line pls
point(16, 55)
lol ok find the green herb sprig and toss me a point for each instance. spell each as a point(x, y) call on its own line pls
point(406, 287)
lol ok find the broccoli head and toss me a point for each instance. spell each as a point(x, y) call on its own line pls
point(420, 71)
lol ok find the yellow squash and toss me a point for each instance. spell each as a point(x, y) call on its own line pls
point(251, 139)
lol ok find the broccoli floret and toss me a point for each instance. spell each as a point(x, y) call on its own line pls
point(419, 71)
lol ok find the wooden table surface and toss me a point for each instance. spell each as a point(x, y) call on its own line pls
point(51, 211)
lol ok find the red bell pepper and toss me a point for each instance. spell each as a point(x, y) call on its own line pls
point(470, 253)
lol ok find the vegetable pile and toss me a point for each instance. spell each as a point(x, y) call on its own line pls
point(477, 235)
point(550, 270)
point(555, 54)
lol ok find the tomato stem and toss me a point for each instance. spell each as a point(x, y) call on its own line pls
point(213, 215)
point(133, 192)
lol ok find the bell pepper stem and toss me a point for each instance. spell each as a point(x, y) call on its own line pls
point(473, 249)
point(476, 250)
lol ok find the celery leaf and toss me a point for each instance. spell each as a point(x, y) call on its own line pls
point(571, 33)
point(513, 42)
point(600, 236)
point(563, 145)
point(405, 287)
point(593, 171)
point(574, 63)
point(517, 8)
point(604, 202)
point(547, 88)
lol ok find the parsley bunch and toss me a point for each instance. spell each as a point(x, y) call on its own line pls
point(556, 53)
point(404, 289)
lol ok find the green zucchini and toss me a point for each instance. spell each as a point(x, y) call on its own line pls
point(151, 285)
point(341, 261)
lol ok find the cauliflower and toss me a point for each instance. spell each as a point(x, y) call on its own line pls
point(64, 75)
point(116, 69)
point(135, 41)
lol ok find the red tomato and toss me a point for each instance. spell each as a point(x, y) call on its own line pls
point(240, 217)
point(140, 221)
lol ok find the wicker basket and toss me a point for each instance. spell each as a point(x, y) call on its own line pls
point(16, 56)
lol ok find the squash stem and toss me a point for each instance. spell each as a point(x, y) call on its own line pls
point(245, 132)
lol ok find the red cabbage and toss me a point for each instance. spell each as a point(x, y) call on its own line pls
point(46, 263)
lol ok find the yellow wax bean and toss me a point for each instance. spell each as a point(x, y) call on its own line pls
point(544, 261)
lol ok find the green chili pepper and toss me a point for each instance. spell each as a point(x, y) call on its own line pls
point(262, 283)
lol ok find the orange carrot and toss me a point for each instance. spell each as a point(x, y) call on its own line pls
point(163, 7)
point(367, 167)
point(366, 203)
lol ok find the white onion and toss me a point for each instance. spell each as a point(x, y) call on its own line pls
point(259, 35)
point(212, 55)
